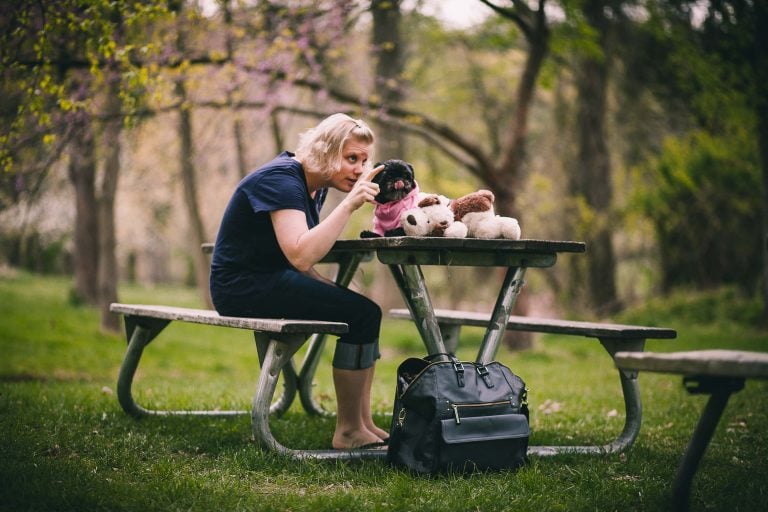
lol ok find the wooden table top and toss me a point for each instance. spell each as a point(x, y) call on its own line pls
point(458, 244)
point(467, 244)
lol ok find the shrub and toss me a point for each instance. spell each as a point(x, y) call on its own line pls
point(704, 201)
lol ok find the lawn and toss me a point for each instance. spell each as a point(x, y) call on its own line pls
point(67, 444)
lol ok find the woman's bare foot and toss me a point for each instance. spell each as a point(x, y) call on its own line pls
point(352, 440)
point(378, 432)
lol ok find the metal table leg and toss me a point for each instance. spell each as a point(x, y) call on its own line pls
point(141, 331)
point(630, 387)
point(290, 379)
point(277, 356)
point(410, 281)
point(138, 338)
point(720, 390)
point(510, 289)
point(632, 405)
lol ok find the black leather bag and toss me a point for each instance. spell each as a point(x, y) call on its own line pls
point(458, 416)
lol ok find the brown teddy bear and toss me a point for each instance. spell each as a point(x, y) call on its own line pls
point(475, 210)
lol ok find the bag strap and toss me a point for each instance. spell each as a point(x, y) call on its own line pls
point(430, 357)
point(458, 367)
point(483, 372)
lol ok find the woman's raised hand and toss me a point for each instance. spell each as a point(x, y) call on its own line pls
point(364, 189)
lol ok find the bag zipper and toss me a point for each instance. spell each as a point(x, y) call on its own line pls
point(425, 369)
point(456, 406)
point(415, 378)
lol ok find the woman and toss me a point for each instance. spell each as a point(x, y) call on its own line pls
point(269, 240)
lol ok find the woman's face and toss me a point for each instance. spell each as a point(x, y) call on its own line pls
point(354, 160)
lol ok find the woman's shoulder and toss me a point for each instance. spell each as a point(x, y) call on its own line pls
point(282, 167)
point(283, 163)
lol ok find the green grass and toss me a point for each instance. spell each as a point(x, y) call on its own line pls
point(67, 445)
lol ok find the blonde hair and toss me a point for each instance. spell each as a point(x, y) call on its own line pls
point(319, 149)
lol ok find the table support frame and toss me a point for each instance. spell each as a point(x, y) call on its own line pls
point(410, 282)
point(719, 390)
point(412, 285)
point(279, 356)
point(276, 352)
point(494, 333)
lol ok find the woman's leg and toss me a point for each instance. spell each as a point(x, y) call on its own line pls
point(351, 394)
point(298, 296)
point(365, 411)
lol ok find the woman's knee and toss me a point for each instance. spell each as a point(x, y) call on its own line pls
point(372, 312)
point(359, 348)
point(354, 356)
point(364, 322)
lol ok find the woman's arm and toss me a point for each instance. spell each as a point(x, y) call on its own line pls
point(303, 246)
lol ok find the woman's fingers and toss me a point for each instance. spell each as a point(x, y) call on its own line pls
point(364, 190)
point(372, 173)
point(368, 189)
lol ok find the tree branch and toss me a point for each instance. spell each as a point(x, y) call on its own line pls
point(470, 164)
point(408, 118)
point(514, 15)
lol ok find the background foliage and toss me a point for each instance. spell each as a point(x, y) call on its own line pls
point(704, 234)
point(631, 125)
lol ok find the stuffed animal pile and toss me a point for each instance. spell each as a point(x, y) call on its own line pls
point(470, 216)
point(402, 209)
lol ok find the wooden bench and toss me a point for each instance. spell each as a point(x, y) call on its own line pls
point(613, 337)
point(277, 340)
point(451, 322)
point(718, 373)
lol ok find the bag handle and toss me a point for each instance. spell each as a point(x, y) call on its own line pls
point(458, 367)
point(482, 371)
point(430, 357)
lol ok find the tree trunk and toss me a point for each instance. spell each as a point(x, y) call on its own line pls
point(197, 234)
point(506, 180)
point(388, 55)
point(108, 274)
point(82, 174)
point(507, 177)
point(237, 128)
point(189, 182)
point(592, 178)
point(761, 75)
point(763, 143)
point(237, 124)
point(277, 132)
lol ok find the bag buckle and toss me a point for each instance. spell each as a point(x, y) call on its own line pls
point(458, 367)
point(401, 417)
point(485, 375)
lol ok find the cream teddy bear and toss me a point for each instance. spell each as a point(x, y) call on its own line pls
point(475, 210)
point(432, 217)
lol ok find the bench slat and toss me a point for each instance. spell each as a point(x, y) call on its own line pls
point(728, 363)
point(210, 317)
point(546, 325)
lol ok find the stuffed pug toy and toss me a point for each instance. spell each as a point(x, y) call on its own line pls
point(432, 217)
point(398, 191)
point(475, 210)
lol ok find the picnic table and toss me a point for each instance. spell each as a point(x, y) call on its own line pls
point(405, 257)
point(718, 373)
